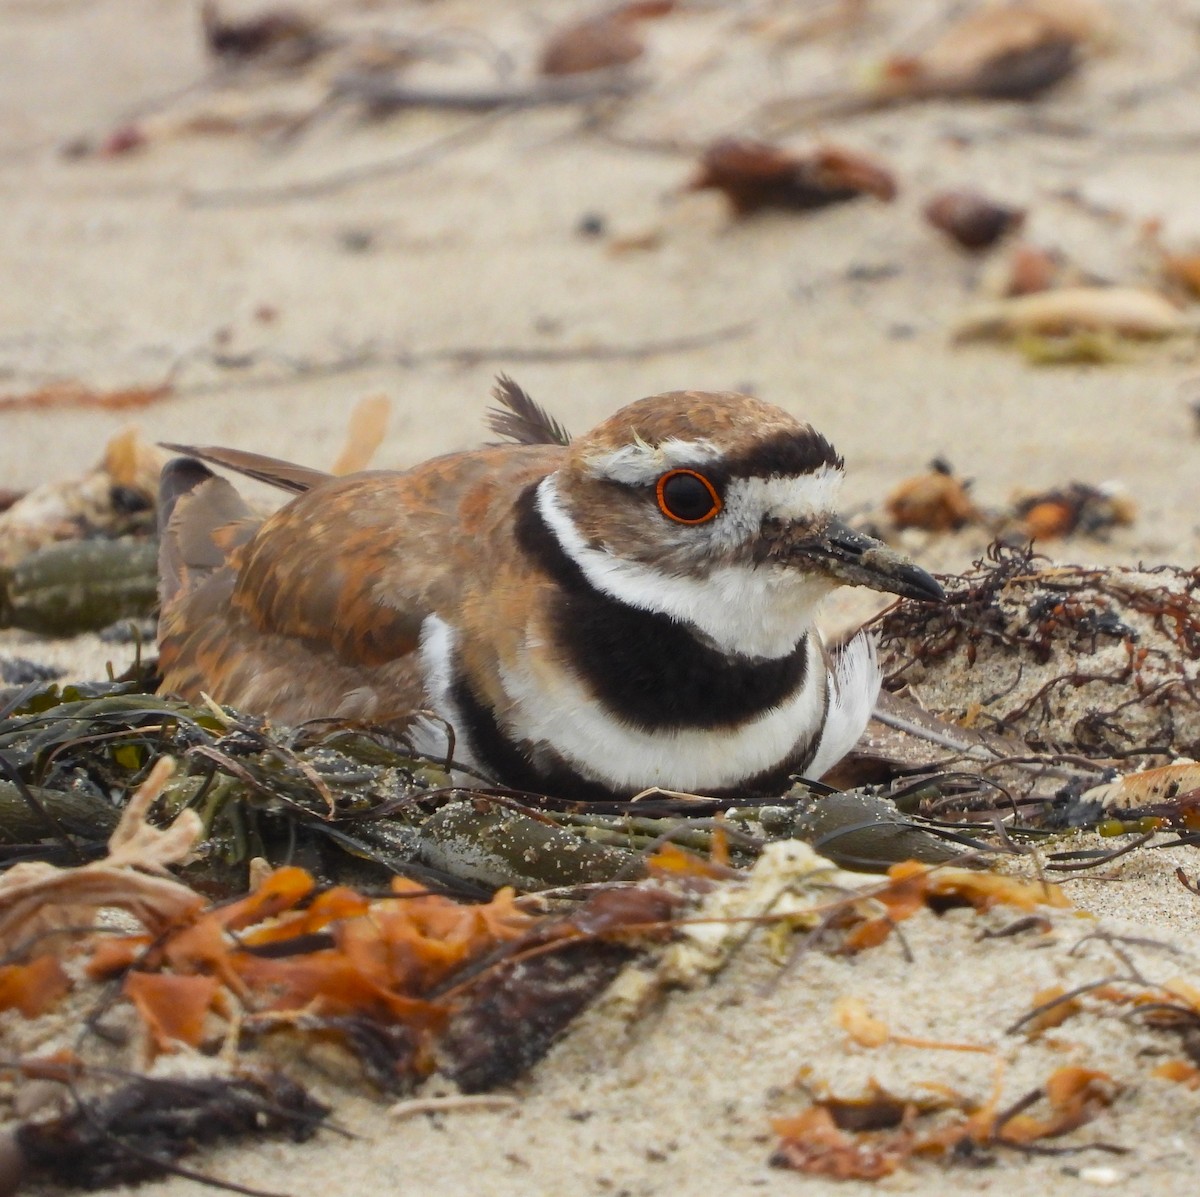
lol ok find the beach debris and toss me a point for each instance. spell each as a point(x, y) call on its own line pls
point(79, 555)
point(971, 219)
point(1094, 661)
point(1085, 347)
point(72, 393)
point(755, 175)
point(365, 431)
point(122, 140)
point(857, 829)
point(1076, 507)
point(382, 96)
point(939, 502)
point(137, 1130)
point(114, 499)
point(873, 1136)
point(1132, 312)
point(408, 982)
point(80, 586)
point(1009, 51)
point(37, 899)
point(936, 501)
point(1182, 271)
point(1179, 269)
point(20, 671)
point(277, 37)
point(1166, 797)
point(286, 783)
point(1182, 1072)
point(602, 41)
point(1031, 268)
point(535, 993)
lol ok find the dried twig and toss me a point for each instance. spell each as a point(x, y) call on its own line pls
point(341, 180)
point(383, 95)
point(368, 355)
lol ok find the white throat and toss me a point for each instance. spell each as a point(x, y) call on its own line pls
point(755, 611)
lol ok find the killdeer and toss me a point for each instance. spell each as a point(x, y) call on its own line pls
point(632, 609)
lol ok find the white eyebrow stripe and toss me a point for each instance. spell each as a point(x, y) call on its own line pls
point(642, 463)
point(796, 497)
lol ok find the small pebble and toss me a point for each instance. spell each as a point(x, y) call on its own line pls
point(591, 224)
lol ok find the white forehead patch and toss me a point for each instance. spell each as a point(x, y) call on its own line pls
point(643, 463)
point(792, 498)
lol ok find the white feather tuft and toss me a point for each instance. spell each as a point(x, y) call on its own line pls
point(854, 685)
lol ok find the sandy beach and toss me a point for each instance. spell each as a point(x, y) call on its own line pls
point(267, 259)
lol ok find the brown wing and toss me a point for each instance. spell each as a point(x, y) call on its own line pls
point(319, 610)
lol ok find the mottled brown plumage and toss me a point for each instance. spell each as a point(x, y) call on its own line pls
point(540, 597)
point(319, 611)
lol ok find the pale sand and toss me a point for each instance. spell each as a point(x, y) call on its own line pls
point(112, 275)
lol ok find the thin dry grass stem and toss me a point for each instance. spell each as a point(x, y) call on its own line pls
point(453, 1104)
point(1076, 862)
point(1069, 995)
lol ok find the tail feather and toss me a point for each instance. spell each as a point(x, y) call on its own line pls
point(284, 474)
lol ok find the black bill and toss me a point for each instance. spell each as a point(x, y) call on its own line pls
point(860, 560)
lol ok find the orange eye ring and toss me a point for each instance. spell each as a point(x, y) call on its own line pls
point(680, 499)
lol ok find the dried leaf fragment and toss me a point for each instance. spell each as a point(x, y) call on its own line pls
point(1182, 1072)
point(172, 1007)
point(971, 219)
point(1000, 51)
point(1032, 268)
point(915, 885)
point(1055, 1012)
point(874, 1136)
point(600, 42)
point(813, 1143)
point(936, 501)
point(1076, 507)
point(1127, 311)
point(34, 987)
point(1075, 1095)
point(1184, 271)
point(755, 175)
point(365, 433)
point(859, 1023)
point(280, 36)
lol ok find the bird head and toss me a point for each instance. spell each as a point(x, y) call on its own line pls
point(719, 510)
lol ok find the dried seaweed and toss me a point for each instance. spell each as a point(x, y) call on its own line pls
point(1089, 661)
point(355, 803)
point(138, 1130)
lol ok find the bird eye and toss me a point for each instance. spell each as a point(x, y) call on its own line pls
point(687, 497)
